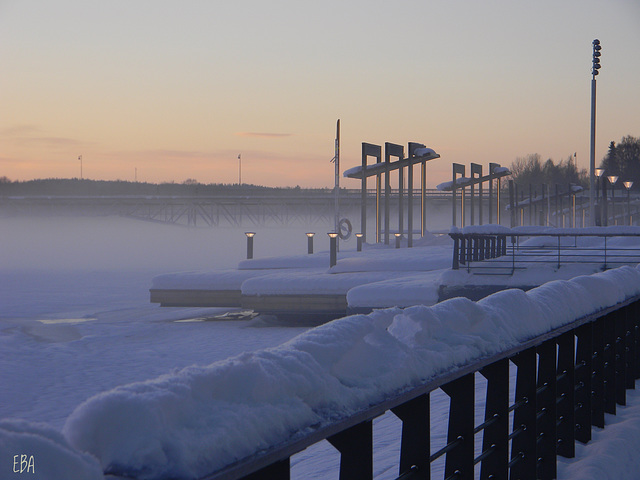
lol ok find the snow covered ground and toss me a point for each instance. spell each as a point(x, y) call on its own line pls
point(81, 347)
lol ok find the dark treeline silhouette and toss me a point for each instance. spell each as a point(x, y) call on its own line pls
point(531, 170)
point(623, 160)
point(84, 187)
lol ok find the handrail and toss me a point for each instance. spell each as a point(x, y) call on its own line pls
point(476, 245)
point(607, 341)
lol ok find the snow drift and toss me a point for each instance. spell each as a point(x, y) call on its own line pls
point(194, 421)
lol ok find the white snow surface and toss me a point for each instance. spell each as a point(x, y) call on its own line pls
point(92, 376)
point(194, 421)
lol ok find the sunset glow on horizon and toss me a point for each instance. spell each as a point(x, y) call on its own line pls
point(167, 91)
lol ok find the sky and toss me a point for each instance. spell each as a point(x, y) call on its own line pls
point(168, 90)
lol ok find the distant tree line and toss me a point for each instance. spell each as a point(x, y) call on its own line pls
point(622, 160)
point(531, 170)
point(85, 187)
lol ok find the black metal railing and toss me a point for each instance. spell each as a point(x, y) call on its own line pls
point(507, 250)
point(565, 382)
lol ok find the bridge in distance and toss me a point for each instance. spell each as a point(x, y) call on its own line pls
point(211, 210)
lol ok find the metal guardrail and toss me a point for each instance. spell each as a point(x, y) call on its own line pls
point(503, 252)
point(566, 380)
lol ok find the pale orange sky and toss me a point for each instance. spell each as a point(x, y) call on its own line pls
point(178, 90)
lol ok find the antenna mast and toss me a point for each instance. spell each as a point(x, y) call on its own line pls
point(336, 191)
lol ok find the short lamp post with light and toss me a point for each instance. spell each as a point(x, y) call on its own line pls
point(628, 184)
point(310, 242)
point(250, 236)
point(359, 241)
point(398, 238)
point(333, 248)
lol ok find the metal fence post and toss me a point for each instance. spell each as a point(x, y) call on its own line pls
point(566, 395)
point(459, 460)
point(619, 318)
point(495, 437)
point(276, 471)
point(546, 411)
point(583, 375)
point(597, 379)
point(523, 444)
point(609, 368)
point(415, 445)
point(356, 451)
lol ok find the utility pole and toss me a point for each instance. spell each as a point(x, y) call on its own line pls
point(80, 158)
point(239, 169)
point(592, 154)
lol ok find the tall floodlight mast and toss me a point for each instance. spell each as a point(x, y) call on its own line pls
point(592, 155)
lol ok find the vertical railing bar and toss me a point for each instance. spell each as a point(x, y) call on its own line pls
point(461, 418)
point(523, 445)
point(546, 403)
point(565, 400)
point(597, 379)
point(495, 437)
point(583, 382)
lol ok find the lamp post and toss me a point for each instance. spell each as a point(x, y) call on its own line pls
point(592, 154)
point(310, 242)
point(598, 211)
point(359, 241)
point(628, 184)
point(612, 180)
point(250, 236)
point(398, 237)
point(333, 248)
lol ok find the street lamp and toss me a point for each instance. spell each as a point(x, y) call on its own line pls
point(628, 184)
point(250, 236)
point(599, 173)
point(310, 242)
point(612, 180)
point(398, 237)
point(598, 208)
point(333, 248)
point(359, 241)
point(592, 156)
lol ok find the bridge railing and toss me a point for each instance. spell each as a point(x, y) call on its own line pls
point(503, 251)
point(565, 382)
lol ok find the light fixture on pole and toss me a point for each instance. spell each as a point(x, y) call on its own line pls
point(628, 184)
point(592, 154)
point(398, 237)
point(333, 248)
point(612, 180)
point(80, 159)
point(310, 242)
point(250, 236)
point(359, 241)
point(599, 210)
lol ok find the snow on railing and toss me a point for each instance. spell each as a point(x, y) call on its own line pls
point(249, 414)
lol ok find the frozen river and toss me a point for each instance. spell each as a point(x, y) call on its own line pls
point(75, 321)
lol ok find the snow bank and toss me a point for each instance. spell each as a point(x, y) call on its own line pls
point(194, 421)
point(301, 283)
point(47, 454)
point(218, 280)
point(421, 288)
point(612, 453)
